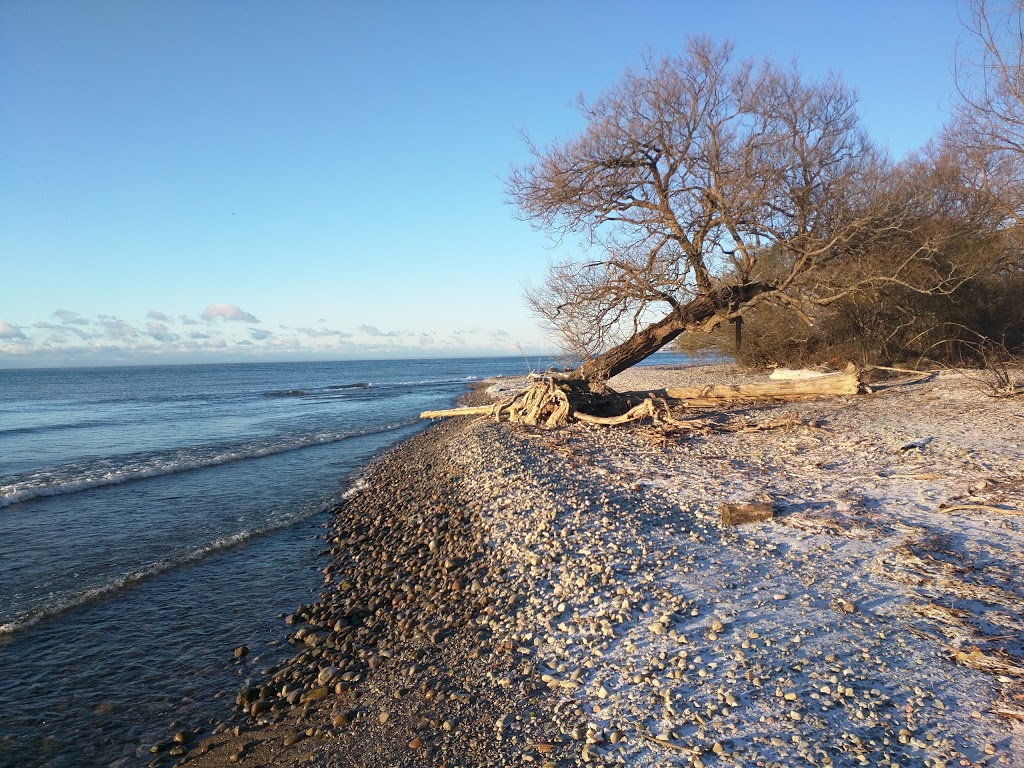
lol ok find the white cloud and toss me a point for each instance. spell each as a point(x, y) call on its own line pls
point(159, 316)
point(372, 330)
point(186, 320)
point(259, 334)
point(68, 317)
point(228, 312)
point(160, 332)
point(117, 329)
point(8, 331)
point(61, 329)
point(318, 333)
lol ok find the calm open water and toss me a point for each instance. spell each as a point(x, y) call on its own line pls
point(154, 518)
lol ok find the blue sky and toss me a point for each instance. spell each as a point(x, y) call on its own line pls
point(200, 181)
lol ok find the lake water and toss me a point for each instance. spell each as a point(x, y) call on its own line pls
point(154, 518)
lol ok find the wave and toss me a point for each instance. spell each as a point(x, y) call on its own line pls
point(313, 392)
point(359, 484)
point(332, 391)
point(423, 382)
point(125, 581)
point(55, 427)
point(72, 478)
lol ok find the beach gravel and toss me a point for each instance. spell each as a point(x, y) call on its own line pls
point(501, 596)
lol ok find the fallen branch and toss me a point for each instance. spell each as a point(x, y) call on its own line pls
point(975, 658)
point(664, 743)
point(642, 411)
point(915, 377)
point(655, 409)
point(987, 662)
point(901, 370)
point(475, 410)
point(980, 508)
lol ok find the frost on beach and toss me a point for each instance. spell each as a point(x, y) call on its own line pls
point(571, 596)
point(875, 620)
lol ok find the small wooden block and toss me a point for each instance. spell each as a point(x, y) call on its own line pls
point(738, 514)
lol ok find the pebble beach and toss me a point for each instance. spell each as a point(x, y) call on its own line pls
point(508, 596)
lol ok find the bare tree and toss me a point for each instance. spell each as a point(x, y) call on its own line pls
point(692, 178)
point(988, 129)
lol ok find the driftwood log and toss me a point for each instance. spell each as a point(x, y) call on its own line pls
point(740, 514)
point(553, 401)
point(842, 383)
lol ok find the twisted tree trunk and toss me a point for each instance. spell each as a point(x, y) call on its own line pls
point(554, 400)
point(649, 340)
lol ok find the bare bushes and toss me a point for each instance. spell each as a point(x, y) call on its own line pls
point(981, 324)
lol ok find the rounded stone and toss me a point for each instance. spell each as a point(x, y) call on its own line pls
point(327, 674)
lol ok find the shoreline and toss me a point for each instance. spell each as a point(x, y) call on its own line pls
point(571, 597)
point(412, 668)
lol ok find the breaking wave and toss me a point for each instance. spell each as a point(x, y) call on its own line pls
point(72, 478)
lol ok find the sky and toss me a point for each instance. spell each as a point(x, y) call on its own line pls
point(208, 181)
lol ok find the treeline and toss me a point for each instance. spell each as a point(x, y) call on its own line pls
point(719, 199)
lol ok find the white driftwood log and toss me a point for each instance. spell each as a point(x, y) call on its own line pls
point(473, 410)
point(843, 383)
point(791, 374)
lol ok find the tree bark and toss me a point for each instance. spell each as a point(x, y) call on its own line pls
point(646, 342)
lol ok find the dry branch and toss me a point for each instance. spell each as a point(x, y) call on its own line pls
point(980, 508)
point(475, 410)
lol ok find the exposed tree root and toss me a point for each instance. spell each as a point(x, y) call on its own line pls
point(551, 401)
point(555, 401)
